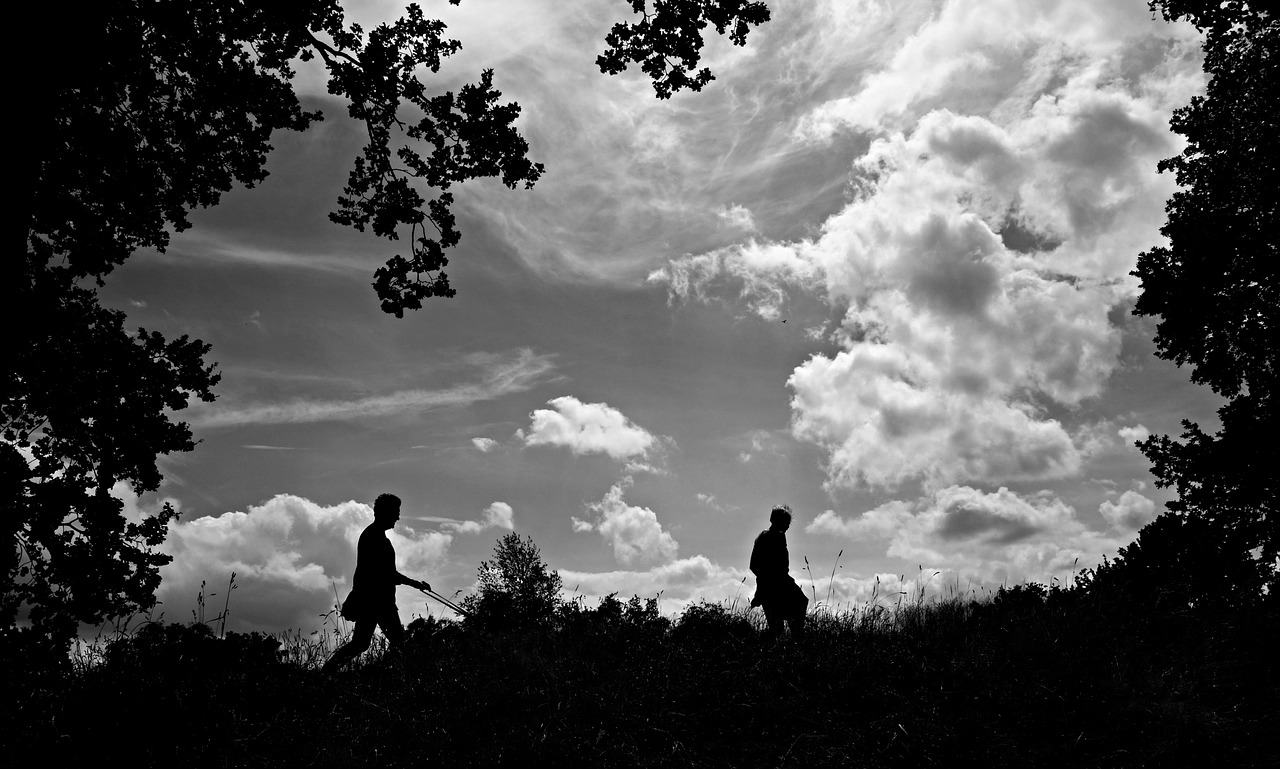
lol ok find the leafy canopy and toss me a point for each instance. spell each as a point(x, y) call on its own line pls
point(1215, 286)
point(667, 43)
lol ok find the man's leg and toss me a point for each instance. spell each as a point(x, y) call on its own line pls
point(797, 625)
point(360, 639)
point(389, 621)
point(776, 623)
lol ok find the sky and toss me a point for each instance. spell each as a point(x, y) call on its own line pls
point(877, 270)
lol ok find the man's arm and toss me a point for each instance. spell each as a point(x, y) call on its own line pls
point(411, 582)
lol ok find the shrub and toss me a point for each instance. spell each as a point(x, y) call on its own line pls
point(1179, 562)
point(515, 589)
point(713, 622)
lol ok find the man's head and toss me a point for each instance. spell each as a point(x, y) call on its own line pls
point(780, 518)
point(386, 509)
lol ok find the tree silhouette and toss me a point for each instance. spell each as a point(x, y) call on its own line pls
point(515, 588)
point(667, 43)
point(85, 408)
point(141, 113)
point(1215, 285)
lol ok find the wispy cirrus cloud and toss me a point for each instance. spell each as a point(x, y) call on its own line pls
point(501, 376)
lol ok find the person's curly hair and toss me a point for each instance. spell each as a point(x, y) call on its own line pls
point(384, 504)
point(780, 514)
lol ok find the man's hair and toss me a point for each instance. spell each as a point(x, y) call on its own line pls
point(384, 504)
point(780, 514)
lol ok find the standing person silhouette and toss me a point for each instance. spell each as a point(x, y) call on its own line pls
point(776, 591)
point(373, 587)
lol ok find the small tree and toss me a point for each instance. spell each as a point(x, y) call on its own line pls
point(516, 588)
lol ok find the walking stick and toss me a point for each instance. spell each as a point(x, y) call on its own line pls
point(446, 602)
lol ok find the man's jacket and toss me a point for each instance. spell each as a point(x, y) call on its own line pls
point(770, 562)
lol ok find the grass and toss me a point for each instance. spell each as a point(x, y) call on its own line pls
point(1028, 677)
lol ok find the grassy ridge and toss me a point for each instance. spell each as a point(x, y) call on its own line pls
point(1032, 677)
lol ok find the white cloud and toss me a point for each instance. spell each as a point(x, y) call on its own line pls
point(498, 515)
point(737, 217)
point(989, 537)
point(756, 442)
point(982, 252)
point(501, 376)
point(587, 428)
point(990, 55)
point(1134, 434)
point(288, 555)
point(1130, 512)
point(484, 445)
point(134, 509)
point(766, 272)
point(634, 532)
point(879, 523)
point(710, 501)
point(884, 427)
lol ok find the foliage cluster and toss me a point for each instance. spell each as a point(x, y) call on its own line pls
point(666, 43)
point(1216, 290)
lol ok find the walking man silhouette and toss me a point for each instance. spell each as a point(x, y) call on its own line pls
point(373, 587)
point(776, 591)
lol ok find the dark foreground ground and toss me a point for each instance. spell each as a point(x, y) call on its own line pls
point(1026, 680)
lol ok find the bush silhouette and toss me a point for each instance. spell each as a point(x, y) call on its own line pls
point(1179, 562)
point(515, 589)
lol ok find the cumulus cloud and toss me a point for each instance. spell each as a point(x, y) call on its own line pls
point(1130, 512)
point(880, 523)
point(987, 536)
point(289, 554)
point(884, 427)
point(634, 532)
point(588, 428)
point(497, 515)
point(1134, 434)
point(484, 445)
point(993, 223)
